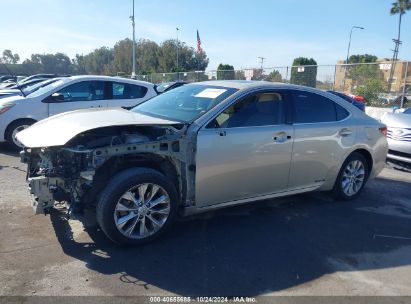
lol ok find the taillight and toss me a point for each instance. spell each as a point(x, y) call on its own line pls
point(383, 131)
point(359, 98)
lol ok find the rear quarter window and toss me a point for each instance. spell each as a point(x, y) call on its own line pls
point(313, 108)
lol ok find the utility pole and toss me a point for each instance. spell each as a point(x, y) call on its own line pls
point(133, 73)
point(178, 75)
point(397, 42)
point(262, 62)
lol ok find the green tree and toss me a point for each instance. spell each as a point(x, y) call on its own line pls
point(304, 72)
point(10, 58)
point(225, 72)
point(274, 76)
point(147, 56)
point(58, 63)
point(363, 58)
point(367, 79)
point(188, 59)
point(99, 61)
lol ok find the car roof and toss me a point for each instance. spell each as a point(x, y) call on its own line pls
point(110, 78)
point(247, 84)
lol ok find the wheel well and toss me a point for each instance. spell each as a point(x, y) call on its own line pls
point(32, 121)
point(117, 164)
point(367, 156)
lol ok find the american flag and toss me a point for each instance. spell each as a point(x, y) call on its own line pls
point(199, 49)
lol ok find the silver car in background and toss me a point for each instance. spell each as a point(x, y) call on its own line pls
point(399, 136)
point(200, 147)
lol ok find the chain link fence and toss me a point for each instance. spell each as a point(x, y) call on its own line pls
point(382, 84)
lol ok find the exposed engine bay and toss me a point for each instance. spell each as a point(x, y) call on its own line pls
point(76, 172)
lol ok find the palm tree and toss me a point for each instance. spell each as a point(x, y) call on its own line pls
point(398, 7)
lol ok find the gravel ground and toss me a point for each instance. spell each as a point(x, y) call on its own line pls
point(300, 245)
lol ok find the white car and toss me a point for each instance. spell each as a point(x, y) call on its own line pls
point(67, 94)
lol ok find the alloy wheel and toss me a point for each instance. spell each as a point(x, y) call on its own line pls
point(353, 177)
point(142, 210)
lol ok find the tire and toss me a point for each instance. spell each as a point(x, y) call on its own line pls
point(12, 130)
point(122, 215)
point(342, 193)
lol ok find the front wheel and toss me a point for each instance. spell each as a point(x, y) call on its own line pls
point(138, 205)
point(352, 177)
point(15, 128)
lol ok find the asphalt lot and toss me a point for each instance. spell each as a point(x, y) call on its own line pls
point(300, 245)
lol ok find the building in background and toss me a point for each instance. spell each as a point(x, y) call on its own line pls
point(348, 78)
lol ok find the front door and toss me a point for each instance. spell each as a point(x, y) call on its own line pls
point(80, 95)
point(245, 151)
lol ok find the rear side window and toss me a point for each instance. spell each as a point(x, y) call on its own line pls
point(341, 112)
point(128, 91)
point(312, 108)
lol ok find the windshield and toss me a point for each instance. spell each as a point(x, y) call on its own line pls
point(49, 87)
point(28, 89)
point(185, 103)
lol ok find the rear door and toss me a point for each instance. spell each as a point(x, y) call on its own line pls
point(80, 95)
point(245, 151)
point(127, 95)
point(322, 135)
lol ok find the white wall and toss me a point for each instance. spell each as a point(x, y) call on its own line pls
point(376, 112)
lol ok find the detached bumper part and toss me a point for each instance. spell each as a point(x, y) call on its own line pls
point(41, 190)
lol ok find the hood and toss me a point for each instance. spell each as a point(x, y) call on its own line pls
point(397, 120)
point(9, 91)
point(59, 129)
point(10, 98)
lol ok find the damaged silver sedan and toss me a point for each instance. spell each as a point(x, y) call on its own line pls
point(199, 147)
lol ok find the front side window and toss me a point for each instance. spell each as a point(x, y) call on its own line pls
point(262, 109)
point(312, 108)
point(83, 91)
point(185, 103)
point(128, 91)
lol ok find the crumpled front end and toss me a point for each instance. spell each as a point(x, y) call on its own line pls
point(57, 175)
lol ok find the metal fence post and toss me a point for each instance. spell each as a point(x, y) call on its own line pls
point(286, 75)
point(405, 84)
point(335, 75)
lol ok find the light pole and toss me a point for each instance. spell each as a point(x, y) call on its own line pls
point(133, 74)
point(178, 75)
point(177, 46)
point(348, 51)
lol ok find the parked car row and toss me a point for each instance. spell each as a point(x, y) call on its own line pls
point(58, 95)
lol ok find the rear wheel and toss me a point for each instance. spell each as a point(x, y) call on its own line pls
point(15, 128)
point(352, 177)
point(137, 206)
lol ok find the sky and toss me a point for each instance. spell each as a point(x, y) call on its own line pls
point(234, 32)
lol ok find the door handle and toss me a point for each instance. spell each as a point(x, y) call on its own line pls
point(345, 132)
point(281, 137)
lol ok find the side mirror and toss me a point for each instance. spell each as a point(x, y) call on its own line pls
point(57, 97)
